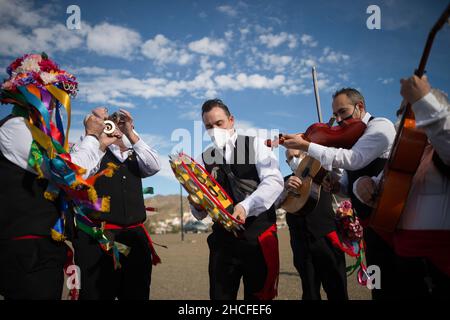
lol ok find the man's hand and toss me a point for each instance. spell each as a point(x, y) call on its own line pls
point(126, 126)
point(367, 189)
point(195, 205)
point(330, 184)
point(94, 126)
point(106, 140)
point(239, 213)
point(414, 88)
point(295, 141)
point(293, 184)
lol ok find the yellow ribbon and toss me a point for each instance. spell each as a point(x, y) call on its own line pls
point(44, 140)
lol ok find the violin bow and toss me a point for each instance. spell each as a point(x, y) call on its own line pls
point(316, 93)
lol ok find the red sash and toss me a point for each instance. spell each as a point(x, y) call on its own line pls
point(268, 241)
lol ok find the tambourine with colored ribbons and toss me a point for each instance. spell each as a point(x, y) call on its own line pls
point(204, 190)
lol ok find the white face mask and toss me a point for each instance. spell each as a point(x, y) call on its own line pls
point(219, 136)
point(293, 164)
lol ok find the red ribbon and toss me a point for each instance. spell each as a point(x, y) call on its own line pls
point(155, 258)
point(268, 241)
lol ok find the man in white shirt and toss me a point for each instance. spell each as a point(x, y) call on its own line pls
point(235, 160)
point(367, 157)
point(124, 223)
point(422, 237)
point(31, 260)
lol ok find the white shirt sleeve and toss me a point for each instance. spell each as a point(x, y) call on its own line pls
point(374, 143)
point(15, 142)
point(147, 158)
point(87, 154)
point(434, 118)
point(16, 139)
point(271, 181)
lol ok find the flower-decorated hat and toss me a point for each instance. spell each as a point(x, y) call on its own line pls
point(38, 70)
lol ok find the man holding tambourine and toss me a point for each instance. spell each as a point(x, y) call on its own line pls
point(249, 173)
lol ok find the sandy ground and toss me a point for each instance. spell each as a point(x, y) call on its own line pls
point(184, 271)
point(183, 275)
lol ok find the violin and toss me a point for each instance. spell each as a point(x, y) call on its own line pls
point(343, 136)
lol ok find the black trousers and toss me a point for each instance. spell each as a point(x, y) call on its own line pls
point(404, 277)
point(319, 263)
point(99, 280)
point(32, 269)
point(232, 259)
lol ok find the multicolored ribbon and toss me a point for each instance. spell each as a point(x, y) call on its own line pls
point(50, 157)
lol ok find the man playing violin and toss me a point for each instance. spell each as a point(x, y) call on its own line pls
point(368, 155)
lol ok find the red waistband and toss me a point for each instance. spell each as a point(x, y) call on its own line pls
point(112, 226)
point(155, 258)
point(28, 237)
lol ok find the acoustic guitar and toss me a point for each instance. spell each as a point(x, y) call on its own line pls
point(405, 156)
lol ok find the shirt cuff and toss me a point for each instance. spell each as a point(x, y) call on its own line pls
point(139, 144)
point(428, 110)
point(199, 215)
point(246, 204)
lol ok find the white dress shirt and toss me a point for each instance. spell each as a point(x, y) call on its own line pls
point(428, 204)
point(271, 181)
point(147, 158)
point(375, 143)
point(16, 139)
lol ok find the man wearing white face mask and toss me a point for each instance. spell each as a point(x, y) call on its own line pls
point(248, 171)
point(317, 261)
point(135, 160)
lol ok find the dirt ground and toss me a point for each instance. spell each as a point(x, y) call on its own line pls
point(184, 271)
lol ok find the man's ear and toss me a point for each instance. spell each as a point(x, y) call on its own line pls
point(232, 120)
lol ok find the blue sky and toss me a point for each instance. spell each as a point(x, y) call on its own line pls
point(162, 59)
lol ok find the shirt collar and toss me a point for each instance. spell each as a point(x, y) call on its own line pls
point(366, 118)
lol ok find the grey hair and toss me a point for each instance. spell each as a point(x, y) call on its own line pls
point(354, 95)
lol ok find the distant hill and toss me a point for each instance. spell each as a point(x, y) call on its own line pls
point(167, 206)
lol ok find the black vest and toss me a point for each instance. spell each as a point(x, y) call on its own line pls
point(243, 167)
point(125, 191)
point(318, 222)
point(372, 169)
point(23, 208)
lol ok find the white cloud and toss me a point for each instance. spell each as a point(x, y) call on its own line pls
point(209, 46)
point(277, 62)
point(385, 80)
point(112, 40)
point(15, 41)
point(164, 51)
point(275, 40)
point(308, 40)
point(244, 81)
point(96, 71)
point(228, 35)
point(155, 141)
point(22, 13)
point(331, 56)
point(244, 32)
point(228, 10)
point(309, 62)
